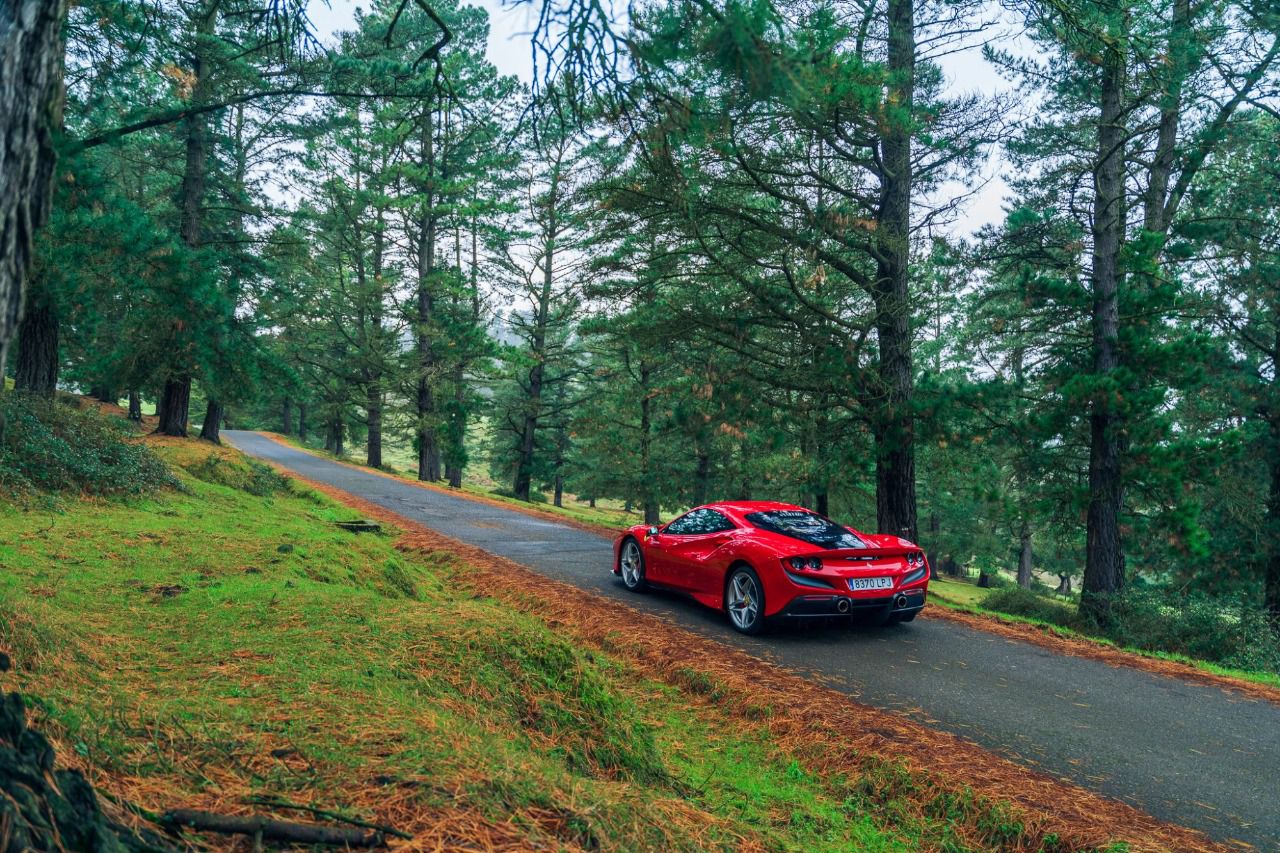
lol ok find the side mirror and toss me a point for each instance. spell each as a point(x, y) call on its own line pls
point(652, 531)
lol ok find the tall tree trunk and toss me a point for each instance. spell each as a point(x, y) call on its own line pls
point(339, 436)
point(302, 421)
point(211, 429)
point(895, 423)
point(428, 447)
point(538, 345)
point(1271, 540)
point(373, 441)
point(175, 401)
point(1271, 591)
point(562, 448)
point(135, 406)
point(31, 61)
point(1156, 213)
point(373, 375)
point(651, 513)
point(1104, 562)
point(457, 430)
point(106, 394)
point(286, 416)
point(1024, 555)
point(528, 437)
point(37, 369)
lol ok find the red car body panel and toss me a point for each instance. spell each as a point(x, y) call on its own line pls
point(699, 565)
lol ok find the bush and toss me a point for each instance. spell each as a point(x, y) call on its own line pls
point(248, 475)
point(1017, 601)
point(1212, 629)
point(51, 447)
point(535, 496)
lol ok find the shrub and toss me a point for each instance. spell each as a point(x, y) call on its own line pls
point(535, 496)
point(51, 447)
point(248, 475)
point(1213, 629)
point(1017, 601)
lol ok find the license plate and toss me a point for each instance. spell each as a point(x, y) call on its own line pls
point(859, 584)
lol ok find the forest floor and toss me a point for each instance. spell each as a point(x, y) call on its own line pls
point(224, 643)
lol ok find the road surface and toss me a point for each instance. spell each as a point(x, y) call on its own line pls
point(1186, 753)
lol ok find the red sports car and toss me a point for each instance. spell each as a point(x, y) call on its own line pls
point(761, 559)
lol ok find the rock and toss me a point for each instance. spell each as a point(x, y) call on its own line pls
point(46, 809)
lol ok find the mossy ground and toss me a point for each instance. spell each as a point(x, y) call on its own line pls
point(225, 640)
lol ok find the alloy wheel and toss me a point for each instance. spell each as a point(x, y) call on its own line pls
point(632, 564)
point(744, 601)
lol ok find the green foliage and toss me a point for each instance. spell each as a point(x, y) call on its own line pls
point(1196, 626)
point(52, 447)
point(1023, 602)
point(246, 474)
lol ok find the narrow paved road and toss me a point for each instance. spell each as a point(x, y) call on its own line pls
point(1186, 753)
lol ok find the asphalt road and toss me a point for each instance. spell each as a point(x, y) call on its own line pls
point(1189, 754)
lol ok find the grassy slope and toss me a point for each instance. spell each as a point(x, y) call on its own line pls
point(197, 648)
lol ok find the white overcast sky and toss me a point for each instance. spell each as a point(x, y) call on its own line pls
point(509, 51)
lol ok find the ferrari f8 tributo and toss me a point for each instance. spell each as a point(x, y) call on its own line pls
point(758, 560)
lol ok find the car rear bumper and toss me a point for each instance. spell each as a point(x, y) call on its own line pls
point(827, 604)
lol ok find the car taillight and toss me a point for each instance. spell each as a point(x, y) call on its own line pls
point(800, 563)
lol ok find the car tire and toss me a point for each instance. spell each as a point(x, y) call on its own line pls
point(744, 600)
point(631, 566)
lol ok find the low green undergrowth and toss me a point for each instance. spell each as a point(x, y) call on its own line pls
point(226, 640)
point(1150, 620)
point(52, 447)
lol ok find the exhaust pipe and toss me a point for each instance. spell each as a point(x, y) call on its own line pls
point(900, 601)
point(842, 605)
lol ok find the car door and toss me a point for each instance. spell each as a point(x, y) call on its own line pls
point(657, 562)
point(689, 549)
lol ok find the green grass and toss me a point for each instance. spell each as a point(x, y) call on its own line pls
point(227, 640)
point(956, 592)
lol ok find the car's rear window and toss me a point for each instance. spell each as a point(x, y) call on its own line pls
point(807, 527)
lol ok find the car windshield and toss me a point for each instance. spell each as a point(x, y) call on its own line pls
point(807, 527)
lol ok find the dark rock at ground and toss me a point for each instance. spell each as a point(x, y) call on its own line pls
point(42, 808)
